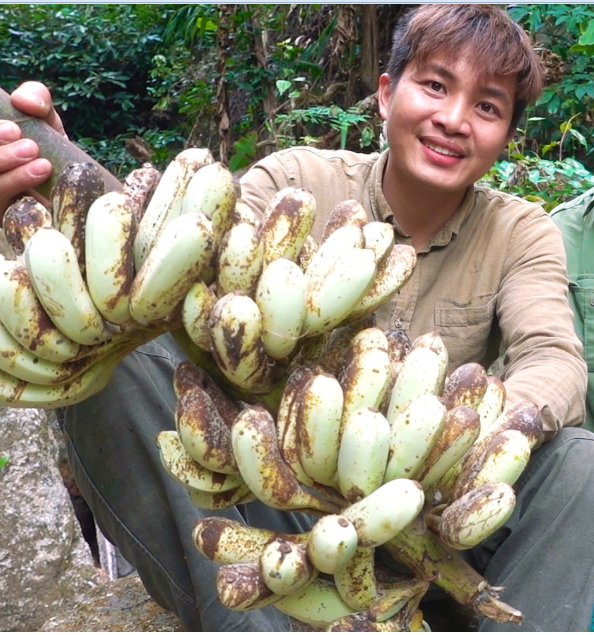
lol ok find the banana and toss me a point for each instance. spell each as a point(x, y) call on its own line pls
point(243, 213)
point(392, 273)
point(317, 604)
point(78, 185)
point(25, 319)
point(109, 238)
point(476, 515)
point(139, 186)
point(465, 386)
point(335, 346)
point(196, 309)
point(460, 431)
point(212, 192)
point(363, 622)
point(285, 567)
point(414, 433)
point(505, 459)
point(21, 220)
point(318, 427)
point(227, 541)
point(221, 500)
point(370, 338)
point(280, 296)
point(236, 342)
point(331, 543)
point(492, 403)
point(175, 262)
point(166, 201)
point(386, 511)
point(307, 252)
point(56, 277)
point(363, 453)
point(345, 213)
point(379, 237)
point(260, 463)
point(399, 346)
point(330, 300)
point(288, 220)
point(434, 342)
point(241, 587)
point(355, 581)
point(420, 374)
point(178, 462)
point(400, 599)
point(240, 260)
point(203, 433)
point(325, 257)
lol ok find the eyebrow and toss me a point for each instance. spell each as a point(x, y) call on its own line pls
point(489, 91)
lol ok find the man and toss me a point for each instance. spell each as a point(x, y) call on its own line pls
point(490, 269)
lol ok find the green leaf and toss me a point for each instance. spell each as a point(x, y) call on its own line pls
point(283, 85)
point(587, 37)
point(3, 461)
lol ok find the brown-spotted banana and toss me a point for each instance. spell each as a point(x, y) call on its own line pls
point(166, 202)
point(236, 342)
point(318, 427)
point(240, 260)
point(24, 317)
point(398, 599)
point(184, 469)
point(21, 220)
point(241, 587)
point(221, 500)
point(56, 277)
point(465, 386)
point(203, 433)
point(476, 515)
point(109, 238)
point(287, 222)
point(227, 541)
point(414, 432)
point(363, 453)
point(371, 338)
point(434, 342)
point(356, 581)
point(379, 237)
point(139, 185)
point(399, 346)
point(280, 296)
point(420, 374)
point(285, 567)
point(325, 257)
point(460, 431)
point(196, 309)
point(308, 250)
point(317, 604)
point(363, 622)
point(175, 262)
point(256, 450)
point(505, 459)
point(386, 511)
point(212, 192)
point(243, 213)
point(392, 273)
point(492, 403)
point(345, 213)
point(331, 543)
point(78, 185)
point(330, 300)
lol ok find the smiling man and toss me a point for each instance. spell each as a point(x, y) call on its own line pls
point(490, 274)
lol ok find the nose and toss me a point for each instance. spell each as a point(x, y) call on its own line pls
point(452, 116)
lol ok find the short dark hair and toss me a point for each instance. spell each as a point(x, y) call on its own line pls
point(493, 39)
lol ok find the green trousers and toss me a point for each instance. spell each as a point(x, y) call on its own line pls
point(542, 557)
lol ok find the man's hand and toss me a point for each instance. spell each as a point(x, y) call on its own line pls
point(21, 169)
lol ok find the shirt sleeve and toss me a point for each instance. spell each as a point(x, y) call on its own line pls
point(543, 361)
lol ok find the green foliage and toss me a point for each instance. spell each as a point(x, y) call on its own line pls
point(3, 461)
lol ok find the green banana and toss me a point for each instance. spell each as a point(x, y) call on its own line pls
point(260, 463)
point(307, 252)
point(166, 202)
point(178, 462)
point(243, 213)
point(400, 599)
point(355, 581)
point(465, 386)
point(363, 453)
point(345, 213)
point(379, 237)
point(221, 500)
point(175, 262)
point(139, 186)
point(331, 249)
point(331, 543)
point(227, 541)
point(196, 309)
point(492, 404)
point(363, 622)
point(241, 587)
point(57, 279)
point(240, 260)
point(21, 220)
point(285, 567)
point(280, 296)
point(435, 343)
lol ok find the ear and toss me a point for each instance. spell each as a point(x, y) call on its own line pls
point(384, 92)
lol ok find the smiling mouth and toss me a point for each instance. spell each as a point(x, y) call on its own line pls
point(441, 150)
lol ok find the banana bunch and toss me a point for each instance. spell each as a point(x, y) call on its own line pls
point(374, 438)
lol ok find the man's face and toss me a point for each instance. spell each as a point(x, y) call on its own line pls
point(446, 123)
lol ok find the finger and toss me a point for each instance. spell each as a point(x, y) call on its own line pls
point(9, 132)
point(34, 98)
point(20, 179)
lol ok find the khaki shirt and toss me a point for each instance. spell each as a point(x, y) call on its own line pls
point(494, 277)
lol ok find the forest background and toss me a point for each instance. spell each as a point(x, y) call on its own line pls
point(139, 82)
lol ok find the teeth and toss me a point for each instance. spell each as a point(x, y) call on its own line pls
point(441, 150)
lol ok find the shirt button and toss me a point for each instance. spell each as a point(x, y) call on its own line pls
point(592, 302)
point(399, 323)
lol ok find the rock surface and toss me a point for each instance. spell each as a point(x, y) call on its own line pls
point(45, 564)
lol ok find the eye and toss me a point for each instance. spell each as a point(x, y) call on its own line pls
point(436, 86)
point(488, 108)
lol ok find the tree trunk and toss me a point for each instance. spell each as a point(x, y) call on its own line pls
point(222, 118)
point(369, 48)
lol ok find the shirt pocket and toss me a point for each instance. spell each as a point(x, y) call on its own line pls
point(581, 294)
point(465, 331)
